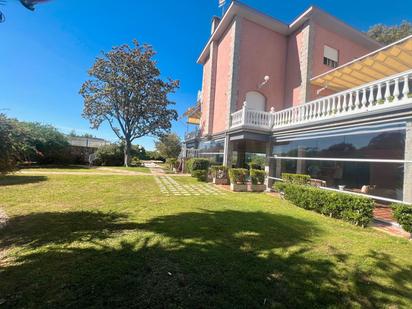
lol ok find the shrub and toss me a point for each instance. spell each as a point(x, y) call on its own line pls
point(403, 214)
point(110, 155)
point(354, 209)
point(201, 175)
point(238, 175)
point(196, 164)
point(255, 166)
point(257, 176)
point(135, 162)
point(297, 179)
point(171, 162)
point(218, 171)
point(279, 186)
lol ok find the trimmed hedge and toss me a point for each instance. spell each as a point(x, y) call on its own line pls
point(218, 171)
point(238, 175)
point(403, 214)
point(297, 179)
point(357, 210)
point(201, 175)
point(196, 164)
point(257, 176)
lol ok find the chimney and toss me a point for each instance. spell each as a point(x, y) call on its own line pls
point(215, 23)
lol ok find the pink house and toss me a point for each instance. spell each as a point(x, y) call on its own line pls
point(315, 96)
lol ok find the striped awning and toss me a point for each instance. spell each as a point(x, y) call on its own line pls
point(193, 114)
point(389, 60)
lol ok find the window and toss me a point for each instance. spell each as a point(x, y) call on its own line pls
point(330, 56)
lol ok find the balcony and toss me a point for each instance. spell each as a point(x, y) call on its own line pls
point(385, 94)
point(192, 135)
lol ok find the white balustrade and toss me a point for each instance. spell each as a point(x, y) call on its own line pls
point(379, 94)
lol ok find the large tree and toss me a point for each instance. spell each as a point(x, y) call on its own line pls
point(389, 34)
point(126, 91)
point(169, 146)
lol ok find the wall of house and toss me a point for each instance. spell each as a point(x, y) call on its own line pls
point(204, 119)
point(262, 52)
point(224, 62)
point(293, 76)
point(348, 51)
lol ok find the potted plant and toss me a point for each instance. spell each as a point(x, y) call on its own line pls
point(219, 175)
point(238, 179)
point(257, 178)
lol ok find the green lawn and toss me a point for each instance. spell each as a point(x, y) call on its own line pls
point(80, 168)
point(116, 242)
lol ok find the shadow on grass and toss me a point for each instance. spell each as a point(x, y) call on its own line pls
point(56, 166)
point(12, 180)
point(197, 259)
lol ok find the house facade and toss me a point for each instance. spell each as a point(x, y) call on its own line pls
point(314, 97)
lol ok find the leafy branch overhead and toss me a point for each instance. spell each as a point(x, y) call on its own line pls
point(126, 90)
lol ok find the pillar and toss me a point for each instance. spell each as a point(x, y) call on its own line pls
point(407, 176)
point(228, 152)
point(269, 166)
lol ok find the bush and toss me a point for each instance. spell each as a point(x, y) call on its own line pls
point(354, 209)
point(257, 176)
point(403, 214)
point(238, 175)
point(297, 179)
point(255, 166)
point(218, 171)
point(109, 155)
point(196, 164)
point(201, 175)
point(135, 162)
point(171, 162)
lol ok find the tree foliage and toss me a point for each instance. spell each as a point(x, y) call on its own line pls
point(389, 34)
point(10, 141)
point(113, 155)
point(126, 91)
point(169, 146)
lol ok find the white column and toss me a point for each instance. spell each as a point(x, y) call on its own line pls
point(227, 152)
point(269, 166)
point(407, 176)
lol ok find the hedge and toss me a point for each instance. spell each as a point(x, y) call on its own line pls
point(357, 210)
point(238, 175)
point(257, 176)
point(196, 164)
point(403, 214)
point(219, 171)
point(297, 179)
point(201, 175)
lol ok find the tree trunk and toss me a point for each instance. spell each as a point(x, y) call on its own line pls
point(127, 147)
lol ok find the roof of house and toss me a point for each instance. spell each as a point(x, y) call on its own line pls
point(239, 9)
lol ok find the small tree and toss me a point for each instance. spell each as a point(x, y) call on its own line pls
point(389, 34)
point(169, 146)
point(127, 92)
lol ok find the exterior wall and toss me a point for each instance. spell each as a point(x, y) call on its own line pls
point(294, 76)
point(223, 72)
point(204, 119)
point(262, 52)
point(348, 51)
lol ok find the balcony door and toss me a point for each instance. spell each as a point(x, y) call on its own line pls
point(255, 101)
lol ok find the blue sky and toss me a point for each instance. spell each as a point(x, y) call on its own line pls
point(45, 55)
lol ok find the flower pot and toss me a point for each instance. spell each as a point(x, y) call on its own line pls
point(257, 188)
point(220, 181)
point(238, 187)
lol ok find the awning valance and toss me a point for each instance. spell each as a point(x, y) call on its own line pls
point(193, 114)
point(389, 60)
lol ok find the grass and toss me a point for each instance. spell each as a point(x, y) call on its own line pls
point(116, 242)
point(83, 169)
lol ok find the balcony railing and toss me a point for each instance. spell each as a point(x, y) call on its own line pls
point(192, 135)
point(381, 94)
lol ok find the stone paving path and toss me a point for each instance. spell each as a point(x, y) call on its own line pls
point(169, 186)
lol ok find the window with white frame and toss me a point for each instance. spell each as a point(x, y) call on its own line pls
point(330, 56)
